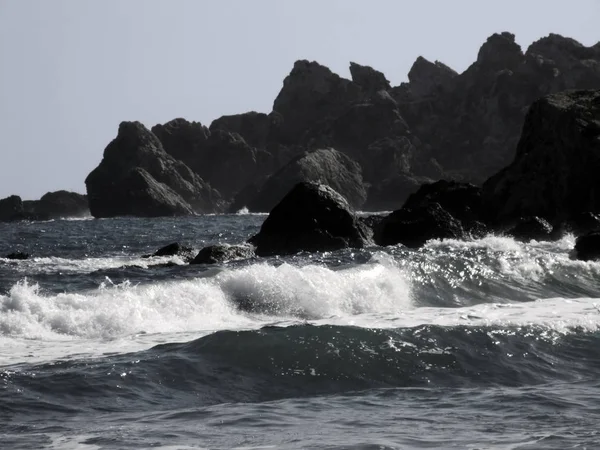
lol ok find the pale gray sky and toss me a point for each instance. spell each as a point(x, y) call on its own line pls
point(71, 70)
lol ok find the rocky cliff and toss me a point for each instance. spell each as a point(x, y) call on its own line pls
point(439, 125)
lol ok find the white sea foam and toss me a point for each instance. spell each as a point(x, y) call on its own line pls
point(130, 317)
point(86, 265)
point(144, 313)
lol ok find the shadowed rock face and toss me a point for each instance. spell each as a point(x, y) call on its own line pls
point(554, 174)
point(369, 79)
point(310, 93)
point(233, 153)
point(62, 204)
point(326, 166)
point(311, 217)
point(426, 77)
point(52, 205)
point(470, 123)
point(11, 208)
point(137, 177)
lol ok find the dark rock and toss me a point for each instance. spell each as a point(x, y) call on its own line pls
point(62, 204)
point(326, 166)
point(499, 52)
point(373, 134)
point(221, 157)
point(174, 249)
point(373, 221)
point(311, 217)
point(17, 256)
point(391, 193)
point(576, 66)
point(531, 228)
point(138, 194)
point(220, 253)
point(11, 208)
point(137, 177)
point(254, 127)
point(587, 247)
point(414, 227)
point(427, 78)
point(244, 198)
point(369, 79)
point(462, 200)
point(553, 175)
point(471, 123)
point(311, 93)
point(183, 140)
point(583, 223)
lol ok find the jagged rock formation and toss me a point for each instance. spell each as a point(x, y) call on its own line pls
point(325, 166)
point(369, 79)
point(311, 217)
point(137, 177)
point(438, 125)
point(471, 122)
point(554, 174)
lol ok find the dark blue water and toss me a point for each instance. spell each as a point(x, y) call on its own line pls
point(482, 344)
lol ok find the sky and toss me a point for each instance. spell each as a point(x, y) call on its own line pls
point(72, 70)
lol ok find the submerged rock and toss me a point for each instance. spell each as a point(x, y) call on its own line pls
point(220, 253)
point(174, 249)
point(311, 217)
point(17, 256)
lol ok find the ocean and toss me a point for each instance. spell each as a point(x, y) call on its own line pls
point(483, 344)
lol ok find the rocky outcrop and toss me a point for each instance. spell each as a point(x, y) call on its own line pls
point(221, 253)
point(137, 177)
point(369, 79)
point(222, 155)
point(327, 166)
point(311, 217)
point(440, 210)
point(553, 175)
point(62, 204)
point(414, 227)
point(439, 125)
point(254, 127)
point(11, 208)
point(52, 205)
point(462, 200)
point(311, 93)
point(427, 78)
point(472, 123)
